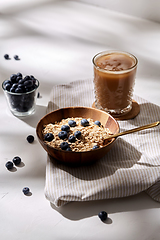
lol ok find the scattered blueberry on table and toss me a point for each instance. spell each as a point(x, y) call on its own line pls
point(16, 57)
point(102, 215)
point(6, 56)
point(48, 137)
point(26, 190)
point(16, 160)
point(30, 138)
point(9, 165)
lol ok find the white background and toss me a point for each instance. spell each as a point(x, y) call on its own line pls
point(56, 41)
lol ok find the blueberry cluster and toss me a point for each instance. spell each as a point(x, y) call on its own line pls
point(20, 91)
point(19, 84)
point(64, 134)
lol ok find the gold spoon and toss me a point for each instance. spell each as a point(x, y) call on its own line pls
point(133, 130)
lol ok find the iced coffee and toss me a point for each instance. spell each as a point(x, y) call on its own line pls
point(114, 80)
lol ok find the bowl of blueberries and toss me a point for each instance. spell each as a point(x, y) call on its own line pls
point(75, 135)
point(21, 94)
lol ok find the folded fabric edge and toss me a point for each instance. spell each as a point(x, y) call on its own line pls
point(154, 191)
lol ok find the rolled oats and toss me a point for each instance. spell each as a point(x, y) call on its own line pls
point(90, 135)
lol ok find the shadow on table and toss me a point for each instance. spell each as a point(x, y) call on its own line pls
point(33, 120)
point(149, 113)
point(119, 157)
point(79, 210)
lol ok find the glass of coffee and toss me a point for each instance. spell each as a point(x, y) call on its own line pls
point(114, 80)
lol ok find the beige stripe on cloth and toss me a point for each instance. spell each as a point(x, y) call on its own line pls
point(130, 167)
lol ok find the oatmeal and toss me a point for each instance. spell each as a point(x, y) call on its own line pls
point(75, 134)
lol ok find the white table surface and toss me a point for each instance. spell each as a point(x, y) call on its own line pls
point(56, 41)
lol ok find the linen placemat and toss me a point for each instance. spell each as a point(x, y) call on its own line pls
point(130, 167)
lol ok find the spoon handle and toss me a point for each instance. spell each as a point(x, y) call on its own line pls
point(134, 130)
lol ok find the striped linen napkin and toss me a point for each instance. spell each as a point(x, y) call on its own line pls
point(130, 167)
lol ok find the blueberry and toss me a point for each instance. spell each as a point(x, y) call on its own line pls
point(69, 149)
point(12, 89)
point(13, 78)
point(19, 90)
point(15, 85)
point(7, 81)
point(9, 165)
point(30, 138)
point(72, 123)
point(77, 134)
point(65, 128)
point(16, 57)
point(97, 123)
point(95, 147)
point(19, 75)
point(27, 78)
point(102, 215)
point(8, 86)
point(16, 160)
point(71, 139)
point(21, 81)
point(32, 77)
point(18, 78)
point(21, 85)
point(25, 190)
point(64, 145)
point(84, 122)
point(28, 83)
point(49, 137)
point(6, 56)
point(62, 134)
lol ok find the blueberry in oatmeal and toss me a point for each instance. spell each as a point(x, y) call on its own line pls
point(97, 123)
point(84, 122)
point(49, 137)
point(64, 145)
point(68, 149)
point(65, 128)
point(72, 138)
point(78, 134)
point(95, 147)
point(72, 123)
point(62, 134)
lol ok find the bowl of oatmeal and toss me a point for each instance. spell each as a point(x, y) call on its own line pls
point(75, 135)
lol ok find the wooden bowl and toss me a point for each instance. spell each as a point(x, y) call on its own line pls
point(77, 158)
